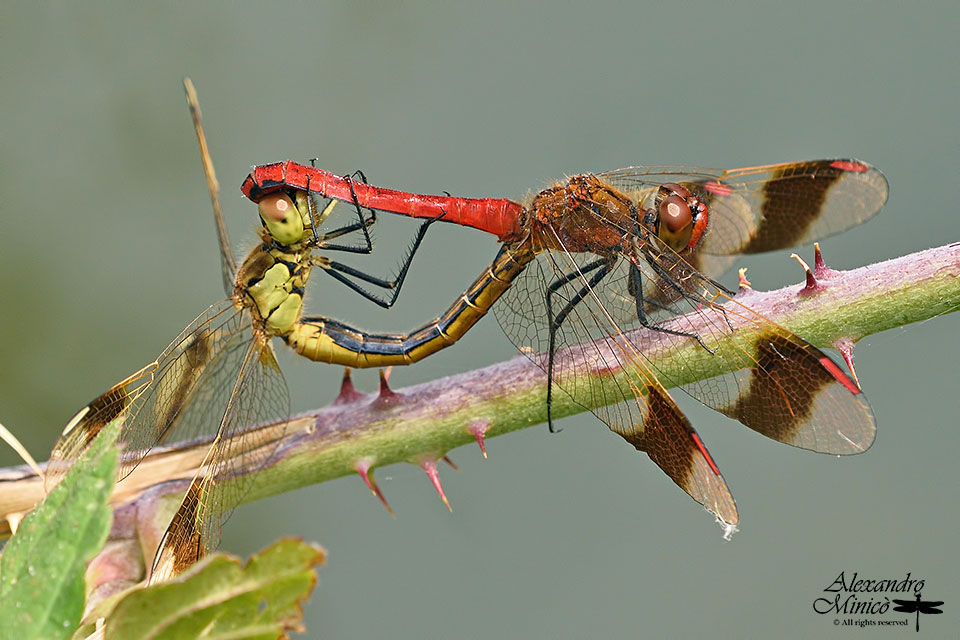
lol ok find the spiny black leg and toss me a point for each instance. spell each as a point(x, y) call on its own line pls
point(342, 231)
point(360, 275)
point(346, 248)
point(668, 277)
point(356, 204)
point(340, 272)
point(719, 307)
point(637, 276)
point(658, 305)
point(363, 225)
point(605, 266)
point(320, 240)
point(573, 275)
point(729, 292)
point(357, 288)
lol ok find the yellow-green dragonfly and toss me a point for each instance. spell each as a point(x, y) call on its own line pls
point(221, 375)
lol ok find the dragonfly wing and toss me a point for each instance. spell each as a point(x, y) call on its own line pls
point(154, 397)
point(771, 380)
point(228, 261)
point(771, 207)
point(603, 373)
point(87, 423)
point(257, 392)
point(194, 375)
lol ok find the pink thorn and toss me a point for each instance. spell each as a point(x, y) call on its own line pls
point(812, 286)
point(744, 284)
point(430, 467)
point(387, 397)
point(363, 468)
point(452, 464)
point(820, 268)
point(845, 347)
point(348, 393)
point(478, 429)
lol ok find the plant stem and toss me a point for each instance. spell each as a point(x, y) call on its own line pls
point(422, 423)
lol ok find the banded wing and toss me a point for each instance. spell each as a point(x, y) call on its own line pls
point(765, 208)
point(737, 362)
point(217, 377)
point(154, 398)
point(255, 392)
point(602, 370)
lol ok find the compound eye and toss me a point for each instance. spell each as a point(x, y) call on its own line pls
point(676, 222)
point(282, 218)
point(276, 207)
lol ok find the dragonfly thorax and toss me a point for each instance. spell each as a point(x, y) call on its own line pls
point(271, 282)
point(583, 215)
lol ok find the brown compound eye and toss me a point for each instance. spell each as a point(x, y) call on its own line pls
point(676, 221)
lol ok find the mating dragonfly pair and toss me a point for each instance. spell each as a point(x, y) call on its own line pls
point(610, 272)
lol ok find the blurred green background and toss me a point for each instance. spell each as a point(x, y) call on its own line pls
point(107, 250)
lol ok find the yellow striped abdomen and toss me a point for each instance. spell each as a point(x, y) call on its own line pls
point(326, 340)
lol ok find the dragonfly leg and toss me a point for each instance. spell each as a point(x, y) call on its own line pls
point(363, 223)
point(341, 271)
point(368, 243)
point(603, 266)
point(636, 276)
point(322, 243)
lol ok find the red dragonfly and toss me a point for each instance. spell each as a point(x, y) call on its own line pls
point(637, 248)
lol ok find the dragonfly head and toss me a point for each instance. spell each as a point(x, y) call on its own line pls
point(681, 217)
point(286, 221)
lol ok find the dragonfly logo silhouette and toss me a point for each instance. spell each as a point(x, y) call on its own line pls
point(918, 606)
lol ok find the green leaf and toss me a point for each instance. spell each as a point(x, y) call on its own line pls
point(219, 599)
point(42, 569)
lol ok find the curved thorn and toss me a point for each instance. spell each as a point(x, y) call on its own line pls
point(744, 284)
point(430, 468)
point(845, 347)
point(363, 468)
point(811, 285)
point(820, 268)
point(478, 429)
